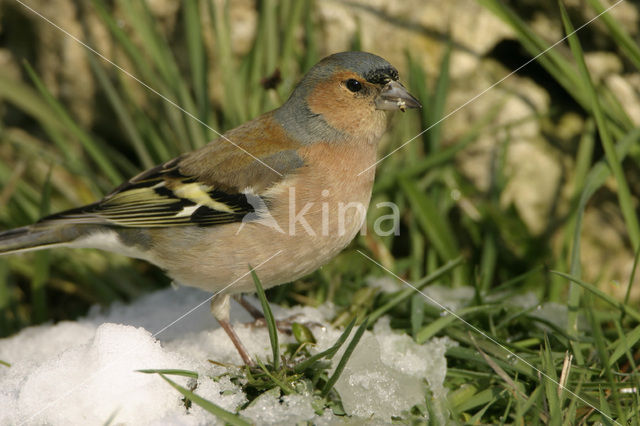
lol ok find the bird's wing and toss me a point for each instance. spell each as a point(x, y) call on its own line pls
point(219, 183)
point(167, 195)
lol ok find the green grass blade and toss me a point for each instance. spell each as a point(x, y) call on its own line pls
point(197, 57)
point(140, 61)
point(154, 43)
point(122, 113)
point(495, 348)
point(268, 316)
point(90, 145)
point(282, 385)
point(632, 276)
point(550, 386)
point(624, 194)
point(604, 296)
point(435, 226)
point(436, 109)
point(345, 357)
point(442, 156)
point(417, 314)
point(418, 86)
point(174, 86)
point(216, 410)
point(441, 323)
point(618, 33)
point(556, 64)
point(143, 65)
point(408, 292)
point(487, 396)
point(171, 372)
point(488, 262)
point(269, 33)
point(600, 345)
point(594, 180)
point(328, 353)
point(294, 18)
point(234, 94)
point(623, 345)
point(312, 45)
point(552, 61)
point(27, 100)
point(604, 407)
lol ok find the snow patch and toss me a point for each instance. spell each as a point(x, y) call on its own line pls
point(84, 372)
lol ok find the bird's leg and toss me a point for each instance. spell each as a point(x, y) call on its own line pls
point(220, 310)
point(236, 342)
point(283, 325)
point(253, 311)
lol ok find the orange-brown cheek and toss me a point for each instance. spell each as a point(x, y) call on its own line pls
point(340, 110)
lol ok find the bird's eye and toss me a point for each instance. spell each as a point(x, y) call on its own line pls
point(354, 85)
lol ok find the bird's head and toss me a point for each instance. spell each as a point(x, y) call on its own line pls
point(345, 95)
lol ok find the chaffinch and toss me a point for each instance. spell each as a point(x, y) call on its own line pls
point(285, 183)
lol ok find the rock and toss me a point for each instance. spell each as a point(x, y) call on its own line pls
point(60, 62)
point(602, 64)
point(422, 28)
point(626, 89)
point(533, 175)
point(606, 258)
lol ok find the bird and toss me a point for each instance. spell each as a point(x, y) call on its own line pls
point(287, 190)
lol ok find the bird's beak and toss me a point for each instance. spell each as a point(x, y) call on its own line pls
point(394, 96)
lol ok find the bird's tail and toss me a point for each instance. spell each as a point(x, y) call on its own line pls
point(36, 237)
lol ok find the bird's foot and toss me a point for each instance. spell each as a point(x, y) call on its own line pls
point(283, 325)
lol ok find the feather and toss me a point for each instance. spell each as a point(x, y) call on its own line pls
point(161, 197)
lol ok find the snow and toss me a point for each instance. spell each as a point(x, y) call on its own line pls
point(386, 373)
point(290, 408)
point(84, 372)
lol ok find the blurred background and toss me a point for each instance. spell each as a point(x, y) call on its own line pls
point(519, 170)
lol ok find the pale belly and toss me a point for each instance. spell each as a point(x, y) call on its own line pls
point(279, 255)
